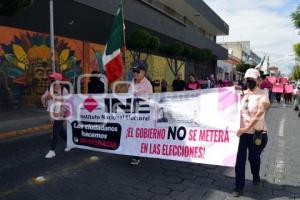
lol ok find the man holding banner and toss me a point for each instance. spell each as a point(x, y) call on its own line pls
point(253, 131)
point(140, 85)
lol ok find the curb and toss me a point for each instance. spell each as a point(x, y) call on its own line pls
point(22, 132)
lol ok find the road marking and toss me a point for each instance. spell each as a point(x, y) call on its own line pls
point(281, 126)
point(26, 131)
point(280, 164)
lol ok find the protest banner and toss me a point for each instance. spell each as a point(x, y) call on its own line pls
point(194, 126)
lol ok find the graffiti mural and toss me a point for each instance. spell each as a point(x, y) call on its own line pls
point(25, 65)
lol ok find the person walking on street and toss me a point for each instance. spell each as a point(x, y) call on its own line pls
point(178, 84)
point(140, 85)
point(53, 100)
point(266, 84)
point(253, 131)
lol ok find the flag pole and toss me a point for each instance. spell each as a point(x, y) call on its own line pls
point(52, 35)
point(123, 21)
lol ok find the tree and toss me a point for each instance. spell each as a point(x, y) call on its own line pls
point(141, 41)
point(11, 7)
point(200, 56)
point(174, 53)
point(296, 17)
point(297, 49)
point(296, 73)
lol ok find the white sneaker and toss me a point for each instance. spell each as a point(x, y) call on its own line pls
point(67, 149)
point(135, 161)
point(50, 154)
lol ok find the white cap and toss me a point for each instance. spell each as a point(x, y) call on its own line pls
point(252, 73)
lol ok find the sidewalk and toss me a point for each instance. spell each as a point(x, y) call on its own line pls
point(23, 122)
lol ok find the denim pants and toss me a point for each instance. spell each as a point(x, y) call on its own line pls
point(58, 130)
point(246, 143)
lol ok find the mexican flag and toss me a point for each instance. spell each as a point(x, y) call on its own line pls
point(111, 58)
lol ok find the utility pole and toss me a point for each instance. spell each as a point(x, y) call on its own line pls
point(52, 36)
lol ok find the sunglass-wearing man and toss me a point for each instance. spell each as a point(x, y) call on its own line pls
point(140, 85)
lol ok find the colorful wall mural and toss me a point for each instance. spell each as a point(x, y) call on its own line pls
point(25, 64)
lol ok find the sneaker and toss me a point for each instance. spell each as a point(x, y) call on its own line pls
point(237, 193)
point(67, 149)
point(50, 154)
point(135, 161)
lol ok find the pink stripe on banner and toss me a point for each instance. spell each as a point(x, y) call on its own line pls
point(227, 97)
point(230, 161)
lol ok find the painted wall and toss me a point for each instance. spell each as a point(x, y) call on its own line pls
point(25, 64)
point(157, 69)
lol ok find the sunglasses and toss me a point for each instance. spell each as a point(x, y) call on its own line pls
point(136, 71)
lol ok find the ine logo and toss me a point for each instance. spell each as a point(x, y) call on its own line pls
point(129, 105)
point(90, 104)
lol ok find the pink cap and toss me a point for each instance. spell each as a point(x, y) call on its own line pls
point(56, 76)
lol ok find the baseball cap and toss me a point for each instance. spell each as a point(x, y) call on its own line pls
point(252, 73)
point(56, 76)
point(139, 67)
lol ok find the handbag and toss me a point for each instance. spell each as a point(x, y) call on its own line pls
point(257, 137)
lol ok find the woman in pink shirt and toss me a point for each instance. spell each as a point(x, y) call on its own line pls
point(193, 84)
point(254, 104)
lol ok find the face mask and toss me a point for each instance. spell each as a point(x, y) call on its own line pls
point(251, 84)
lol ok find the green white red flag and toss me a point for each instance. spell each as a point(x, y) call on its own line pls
point(112, 58)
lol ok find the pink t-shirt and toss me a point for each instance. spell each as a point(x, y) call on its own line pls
point(249, 107)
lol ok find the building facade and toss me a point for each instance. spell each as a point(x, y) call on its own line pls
point(82, 27)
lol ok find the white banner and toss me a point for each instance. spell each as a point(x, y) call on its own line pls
point(193, 126)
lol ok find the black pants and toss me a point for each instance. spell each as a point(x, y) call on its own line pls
point(278, 97)
point(58, 129)
point(246, 143)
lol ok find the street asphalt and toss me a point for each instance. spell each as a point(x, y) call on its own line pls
point(72, 175)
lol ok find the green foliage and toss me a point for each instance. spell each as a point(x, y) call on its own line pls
point(297, 49)
point(11, 7)
point(296, 17)
point(154, 43)
point(200, 55)
point(196, 54)
point(141, 41)
point(164, 49)
point(138, 40)
point(296, 73)
point(187, 52)
point(176, 49)
point(172, 50)
point(243, 67)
